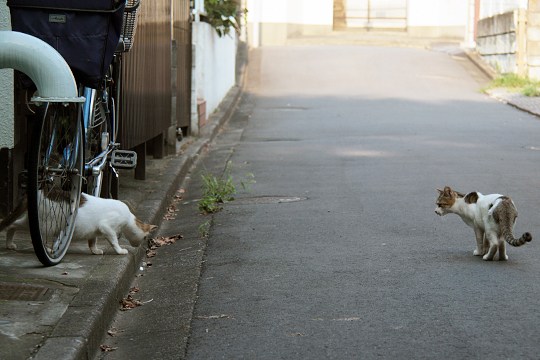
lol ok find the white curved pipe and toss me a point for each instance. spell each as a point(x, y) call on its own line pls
point(42, 63)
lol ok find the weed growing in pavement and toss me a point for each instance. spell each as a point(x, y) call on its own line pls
point(531, 90)
point(514, 82)
point(218, 190)
point(204, 228)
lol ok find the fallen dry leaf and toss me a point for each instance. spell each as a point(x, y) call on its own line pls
point(172, 208)
point(112, 332)
point(163, 240)
point(179, 194)
point(171, 212)
point(150, 253)
point(107, 348)
point(297, 334)
point(129, 303)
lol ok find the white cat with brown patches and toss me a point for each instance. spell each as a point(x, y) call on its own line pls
point(96, 217)
point(491, 216)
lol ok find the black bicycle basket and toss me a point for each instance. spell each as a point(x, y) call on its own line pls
point(84, 32)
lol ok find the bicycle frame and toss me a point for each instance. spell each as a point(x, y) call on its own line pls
point(94, 167)
point(106, 156)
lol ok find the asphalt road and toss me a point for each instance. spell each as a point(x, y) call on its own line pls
point(336, 251)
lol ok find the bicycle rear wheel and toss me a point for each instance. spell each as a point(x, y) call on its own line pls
point(55, 167)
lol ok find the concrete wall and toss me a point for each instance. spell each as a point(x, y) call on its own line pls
point(6, 91)
point(533, 40)
point(437, 18)
point(500, 41)
point(490, 8)
point(510, 42)
point(214, 67)
point(271, 22)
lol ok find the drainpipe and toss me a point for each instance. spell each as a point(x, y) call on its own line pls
point(42, 63)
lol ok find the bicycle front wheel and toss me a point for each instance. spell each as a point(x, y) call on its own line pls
point(55, 168)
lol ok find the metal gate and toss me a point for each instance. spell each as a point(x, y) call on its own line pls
point(149, 88)
point(371, 14)
point(146, 78)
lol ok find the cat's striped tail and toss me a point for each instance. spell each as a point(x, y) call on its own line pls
point(525, 238)
point(504, 213)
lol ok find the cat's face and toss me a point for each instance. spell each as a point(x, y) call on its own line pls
point(147, 229)
point(445, 201)
point(143, 231)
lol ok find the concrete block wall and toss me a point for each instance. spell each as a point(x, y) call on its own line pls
point(533, 40)
point(510, 42)
point(498, 39)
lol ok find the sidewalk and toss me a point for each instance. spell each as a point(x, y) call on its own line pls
point(526, 103)
point(61, 312)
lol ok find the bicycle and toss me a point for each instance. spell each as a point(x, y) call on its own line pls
point(74, 147)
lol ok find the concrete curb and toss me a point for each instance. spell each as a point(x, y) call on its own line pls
point(521, 102)
point(78, 333)
point(480, 63)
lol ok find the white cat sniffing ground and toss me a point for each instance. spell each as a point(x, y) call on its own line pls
point(491, 216)
point(108, 218)
point(96, 218)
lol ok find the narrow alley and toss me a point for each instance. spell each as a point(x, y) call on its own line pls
point(335, 252)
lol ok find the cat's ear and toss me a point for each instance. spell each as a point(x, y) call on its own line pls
point(447, 191)
point(471, 198)
point(440, 191)
point(152, 228)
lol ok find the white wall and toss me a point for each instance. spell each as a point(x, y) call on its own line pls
point(6, 91)
point(437, 12)
point(314, 12)
point(214, 67)
point(317, 12)
point(275, 20)
point(489, 8)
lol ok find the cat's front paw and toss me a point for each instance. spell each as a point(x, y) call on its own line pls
point(97, 251)
point(121, 251)
point(12, 246)
point(487, 257)
point(477, 252)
